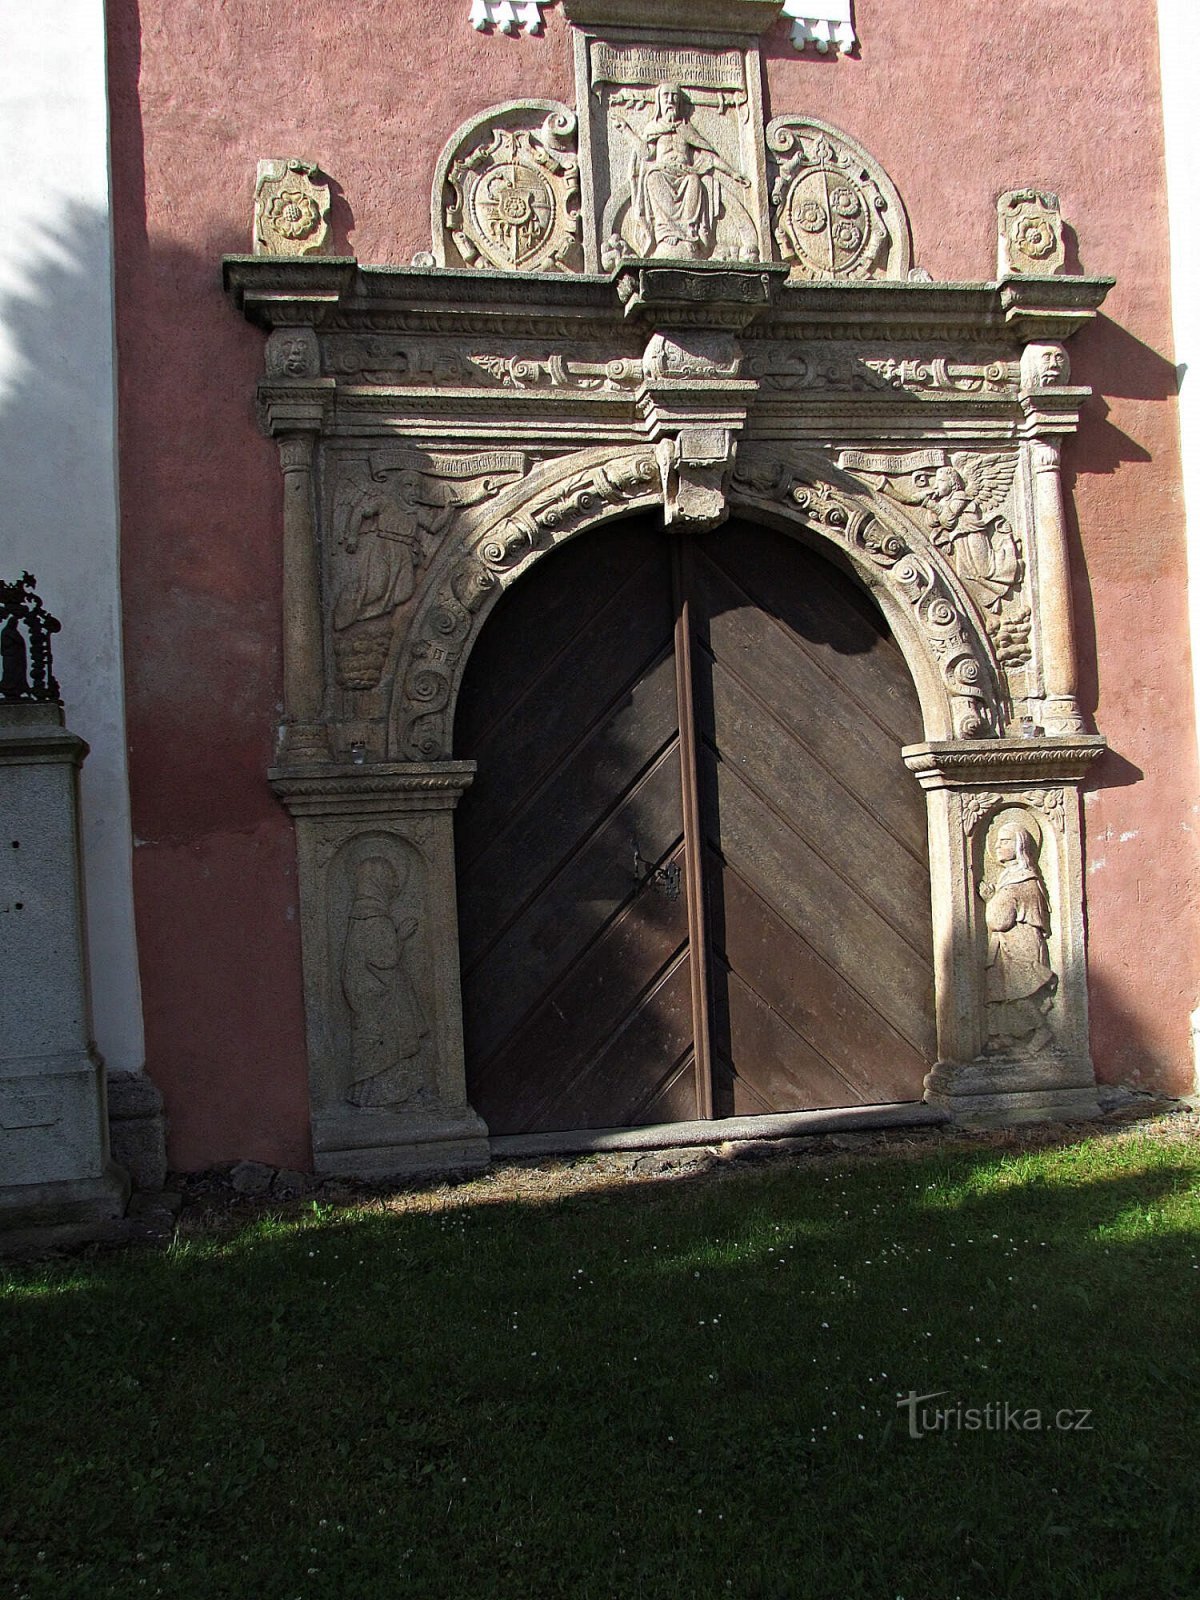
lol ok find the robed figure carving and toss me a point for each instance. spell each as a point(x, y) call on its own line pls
point(1020, 980)
point(678, 186)
point(388, 1026)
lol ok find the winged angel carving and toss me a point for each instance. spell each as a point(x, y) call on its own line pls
point(962, 496)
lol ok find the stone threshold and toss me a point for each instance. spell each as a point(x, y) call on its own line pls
point(724, 1130)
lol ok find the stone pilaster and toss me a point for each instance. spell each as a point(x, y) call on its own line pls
point(379, 925)
point(294, 412)
point(56, 1175)
point(1052, 412)
point(1006, 864)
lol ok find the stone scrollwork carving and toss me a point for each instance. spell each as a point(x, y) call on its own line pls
point(291, 209)
point(506, 194)
point(836, 213)
point(1021, 982)
point(948, 636)
point(389, 515)
point(1031, 233)
point(441, 632)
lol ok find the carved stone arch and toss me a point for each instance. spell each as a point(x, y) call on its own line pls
point(938, 631)
point(563, 497)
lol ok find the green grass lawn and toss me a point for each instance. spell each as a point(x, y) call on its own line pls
point(683, 1388)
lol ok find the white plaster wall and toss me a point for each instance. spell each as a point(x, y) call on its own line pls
point(1179, 45)
point(58, 496)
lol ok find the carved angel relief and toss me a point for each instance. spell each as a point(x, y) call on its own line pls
point(389, 516)
point(836, 212)
point(960, 497)
point(511, 192)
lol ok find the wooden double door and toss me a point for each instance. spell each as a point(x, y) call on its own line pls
point(692, 869)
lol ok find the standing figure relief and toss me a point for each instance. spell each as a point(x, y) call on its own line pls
point(389, 532)
point(388, 1030)
point(680, 189)
point(1021, 983)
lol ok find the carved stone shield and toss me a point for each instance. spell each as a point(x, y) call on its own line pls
point(510, 192)
point(511, 213)
point(837, 215)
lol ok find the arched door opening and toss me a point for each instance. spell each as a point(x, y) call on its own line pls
point(692, 870)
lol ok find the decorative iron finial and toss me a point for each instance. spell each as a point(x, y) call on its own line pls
point(26, 667)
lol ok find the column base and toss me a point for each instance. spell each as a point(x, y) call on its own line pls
point(378, 1144)
point(137, 1132)
point(303, 744)
point(999, 1092)
point(69, 1211)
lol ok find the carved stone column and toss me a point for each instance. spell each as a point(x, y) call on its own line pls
point(304, 737)
point(294, 406)
point(1006, 866)
point(1052, 411)
point(379, 925)
point(1060, 706)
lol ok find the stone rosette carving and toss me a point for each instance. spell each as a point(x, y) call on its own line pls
point(291, 209)
point(1030, 233)
point(506, 194)
point(835, 212)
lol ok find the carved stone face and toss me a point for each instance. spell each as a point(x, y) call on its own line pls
point(670, 106)
point(295, 358)
point(1052, 364)
point(1015, 843)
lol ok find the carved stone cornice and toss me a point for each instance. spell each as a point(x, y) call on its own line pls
point(972, 763)
point(1051, 308)
point(287, 293)
point(378, 789)
point(686, 16)
point(339, 294)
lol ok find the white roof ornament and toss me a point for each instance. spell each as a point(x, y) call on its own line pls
point(508, 15)
point(825, 23)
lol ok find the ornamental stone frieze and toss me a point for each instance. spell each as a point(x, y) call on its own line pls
point(654, 302)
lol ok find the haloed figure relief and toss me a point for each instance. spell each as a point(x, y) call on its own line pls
point(1021, 983)
point(389, 1052)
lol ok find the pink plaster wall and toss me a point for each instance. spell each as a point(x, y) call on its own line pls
point(958, 101)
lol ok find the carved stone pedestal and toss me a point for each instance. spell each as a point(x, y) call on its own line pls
point(57, 1180)
point(1006, 872)
point(379, 928)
